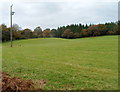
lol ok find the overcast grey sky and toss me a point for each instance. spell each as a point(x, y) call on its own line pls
point(54, 13)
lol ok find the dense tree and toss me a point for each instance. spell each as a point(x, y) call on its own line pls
point(110, 33)
point(53, 33)
point(60, 31)
point(46, 33)
point(67, 34)
point(69, 31)
point(76, 35)
point(116, 29)
point(26, 33)
point(84, 33)
point(5, 32)
point(16, 34)
point(96, 30)
point(37, 32)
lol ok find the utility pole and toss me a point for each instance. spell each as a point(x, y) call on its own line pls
point(11, 13)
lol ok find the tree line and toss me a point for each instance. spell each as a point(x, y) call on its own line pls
point(70, 31)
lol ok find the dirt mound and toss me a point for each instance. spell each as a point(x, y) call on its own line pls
point(14, 83)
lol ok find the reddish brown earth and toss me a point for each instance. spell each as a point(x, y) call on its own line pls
point(9, 83)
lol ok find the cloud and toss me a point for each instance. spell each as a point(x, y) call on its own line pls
point(51, 14)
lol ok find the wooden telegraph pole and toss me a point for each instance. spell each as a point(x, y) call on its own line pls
point(11, 13)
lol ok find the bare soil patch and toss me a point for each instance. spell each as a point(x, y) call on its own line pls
point(9, 83)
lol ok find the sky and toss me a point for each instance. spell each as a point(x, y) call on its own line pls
point(54, 13)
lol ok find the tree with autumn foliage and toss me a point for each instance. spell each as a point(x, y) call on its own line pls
point(67, 34)
point(84, 33)
point(37, 33)
point(68, 31)
point(46, 33)
point(26, 34)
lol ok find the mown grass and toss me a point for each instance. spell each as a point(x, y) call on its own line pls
point(77, 64)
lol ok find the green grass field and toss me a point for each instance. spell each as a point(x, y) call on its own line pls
point(77, 64)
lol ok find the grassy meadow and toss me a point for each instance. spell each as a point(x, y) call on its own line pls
point(76, 64)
